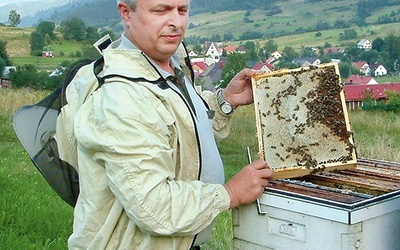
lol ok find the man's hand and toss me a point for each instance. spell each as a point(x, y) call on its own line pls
point(239, 90)
point(248, 185)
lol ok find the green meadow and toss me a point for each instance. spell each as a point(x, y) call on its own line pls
point(34, 217)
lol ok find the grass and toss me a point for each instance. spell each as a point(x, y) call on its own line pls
point(43, 63)
point(388, 79)
point(34, 217)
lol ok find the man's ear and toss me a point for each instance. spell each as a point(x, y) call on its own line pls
point(124, 11)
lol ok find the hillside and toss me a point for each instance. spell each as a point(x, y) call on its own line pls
point(18, 38)
point(266, 18)
point(292, 23)
point(296, 17)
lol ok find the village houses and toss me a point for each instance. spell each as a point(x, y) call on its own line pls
point(372, 69)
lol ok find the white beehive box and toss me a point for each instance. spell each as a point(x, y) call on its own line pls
point(302, 121)
point(355, 209)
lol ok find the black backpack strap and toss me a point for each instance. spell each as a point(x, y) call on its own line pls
point(188, 69)
point(160, 82)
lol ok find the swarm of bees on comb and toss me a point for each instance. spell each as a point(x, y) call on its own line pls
point(302, 121)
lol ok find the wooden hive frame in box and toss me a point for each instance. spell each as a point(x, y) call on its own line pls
point(302, 121)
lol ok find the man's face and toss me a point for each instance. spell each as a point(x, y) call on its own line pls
point(157, 27)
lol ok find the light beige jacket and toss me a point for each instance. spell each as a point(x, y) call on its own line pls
point(138, 160)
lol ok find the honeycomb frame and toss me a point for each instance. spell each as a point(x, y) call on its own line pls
point(302, 121)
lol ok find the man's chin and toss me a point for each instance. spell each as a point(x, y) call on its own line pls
point(170, 48)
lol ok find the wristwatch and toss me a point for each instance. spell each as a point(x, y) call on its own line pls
point(225, 106)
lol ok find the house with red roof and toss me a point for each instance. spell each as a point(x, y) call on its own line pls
point(266, 67)
point(333, 50)
point(355, 94)
point(230, 49)
point(198, 68)
point(363, 67)
point(360, 80)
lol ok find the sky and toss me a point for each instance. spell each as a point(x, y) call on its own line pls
point(5, 2)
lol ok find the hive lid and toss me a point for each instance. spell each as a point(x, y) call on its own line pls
point(302, 121)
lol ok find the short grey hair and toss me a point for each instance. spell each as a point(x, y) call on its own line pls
point(130, 3)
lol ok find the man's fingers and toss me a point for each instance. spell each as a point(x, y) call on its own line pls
point(266, 173)
point(259, 164)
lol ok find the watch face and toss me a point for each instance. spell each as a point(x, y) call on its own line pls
point(226, 108)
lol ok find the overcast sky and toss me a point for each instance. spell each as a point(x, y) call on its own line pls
point(5, 2)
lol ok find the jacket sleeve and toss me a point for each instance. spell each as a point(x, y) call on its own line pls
point(129, 133)
point(222, 122)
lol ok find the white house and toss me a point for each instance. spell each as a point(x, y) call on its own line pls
point(276, 55)
point(193, 53)
point(207, 60)
point(212, 50)
point(378, 69)
point(364, 44)
point(305, 62)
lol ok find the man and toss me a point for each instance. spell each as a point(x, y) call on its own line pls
point(150, 173)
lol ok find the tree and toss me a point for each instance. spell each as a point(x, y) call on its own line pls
point(3, 53)
point(25, 76)
point(73, 29)
point(307, 52)
point(235, 63)
point(2, 66)
point(197, 48)
point(92, 35)
point(377, 44)
point(108, 32)
point(14, 18)
point(47, 28)
point(369, 56)
point(270, 46)
point(289, 54)
point(228, 37)
point(250, 46)
point(345, 70)
point(392, 45)
point(348, 34)
point(90, 52)
point(37, 42)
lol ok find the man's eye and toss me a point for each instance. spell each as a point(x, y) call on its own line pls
point(183, 11)
point(159, 11)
